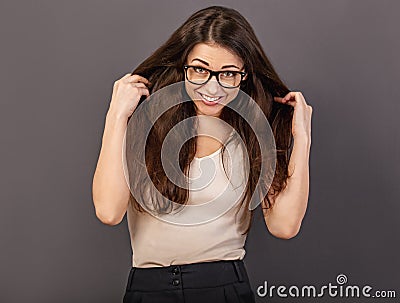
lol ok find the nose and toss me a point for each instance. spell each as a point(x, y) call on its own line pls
point(212, 86)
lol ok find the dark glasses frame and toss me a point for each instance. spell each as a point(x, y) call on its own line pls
point(216, 73)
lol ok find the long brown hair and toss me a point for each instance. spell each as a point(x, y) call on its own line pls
point(228, 28)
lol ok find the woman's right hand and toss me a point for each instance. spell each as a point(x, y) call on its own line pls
point(126, 94)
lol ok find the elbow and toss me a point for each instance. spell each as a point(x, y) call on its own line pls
point(286, 233)
point(107, 219)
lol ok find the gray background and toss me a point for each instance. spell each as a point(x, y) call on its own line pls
point(59, 60)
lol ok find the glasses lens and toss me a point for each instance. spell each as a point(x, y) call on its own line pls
point(230, 78)
point(197, 75)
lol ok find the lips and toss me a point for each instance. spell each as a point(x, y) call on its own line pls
point(209, 100)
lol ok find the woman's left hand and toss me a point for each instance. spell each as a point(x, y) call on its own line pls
point(301, 123)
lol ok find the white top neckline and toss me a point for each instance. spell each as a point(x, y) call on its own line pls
point(210, 155)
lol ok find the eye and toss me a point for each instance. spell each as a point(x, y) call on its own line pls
point(228, 74)
point(199, 70)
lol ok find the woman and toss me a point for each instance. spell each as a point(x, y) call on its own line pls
point(214, 53)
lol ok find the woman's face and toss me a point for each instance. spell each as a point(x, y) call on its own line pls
point(216, 58)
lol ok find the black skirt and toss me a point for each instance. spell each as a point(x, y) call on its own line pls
point(211, 282)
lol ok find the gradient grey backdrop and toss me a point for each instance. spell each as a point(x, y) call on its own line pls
point(59, 60)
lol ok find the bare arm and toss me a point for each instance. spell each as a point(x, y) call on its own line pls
point(284, 218)
point(110, 189)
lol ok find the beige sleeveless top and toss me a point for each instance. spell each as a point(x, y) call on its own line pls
point(214, 235)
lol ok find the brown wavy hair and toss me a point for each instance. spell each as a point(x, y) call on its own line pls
point(225, 27)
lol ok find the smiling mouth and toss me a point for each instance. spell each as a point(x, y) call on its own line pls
point(210, 99)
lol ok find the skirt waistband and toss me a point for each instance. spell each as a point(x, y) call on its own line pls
point(194, 275)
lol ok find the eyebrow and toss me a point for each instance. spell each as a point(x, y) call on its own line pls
point(225, 66)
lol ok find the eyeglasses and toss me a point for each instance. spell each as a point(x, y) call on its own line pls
point(200, 75)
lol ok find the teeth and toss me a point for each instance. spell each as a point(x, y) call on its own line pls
point(207, 98)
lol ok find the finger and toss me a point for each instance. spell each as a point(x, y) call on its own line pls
point(115, 88)
point(284, 101)
point(280, 99)
point(138, 84)
point(144, 91)
point(298, 97)
point(123, 77)
point(137, 78)
point(290, 95)
point(141, 91)
point(116, 84)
